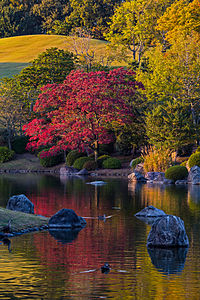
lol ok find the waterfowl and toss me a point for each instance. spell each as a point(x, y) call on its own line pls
point(105, 268)
point(102, 217)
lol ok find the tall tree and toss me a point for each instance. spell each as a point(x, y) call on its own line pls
point(84, 111)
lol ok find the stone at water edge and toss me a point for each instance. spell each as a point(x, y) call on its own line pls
point(194, 175)
point(168, 231)
point(136, 176)
point(150, 211)
point(20, 203)
point(96, 182)
point(66, 218)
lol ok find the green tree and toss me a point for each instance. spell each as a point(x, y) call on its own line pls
point(133, 26)
point(170, 125)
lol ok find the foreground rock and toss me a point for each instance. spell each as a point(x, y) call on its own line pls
point(168, 231)
point(66, 218)
point(194, 175)
point(20, 203)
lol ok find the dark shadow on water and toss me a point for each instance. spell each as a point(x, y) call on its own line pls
point(168, 261)
point(64, 236)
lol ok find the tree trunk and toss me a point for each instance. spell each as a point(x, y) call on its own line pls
point(96, 150)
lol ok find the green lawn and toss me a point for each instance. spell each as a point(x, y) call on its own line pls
point(17, 52)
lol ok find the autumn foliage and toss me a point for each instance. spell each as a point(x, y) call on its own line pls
point(83, 111)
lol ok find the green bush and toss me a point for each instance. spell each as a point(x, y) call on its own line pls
point(176, 173)
point(101, 159)
point(6, 154)
point(48, 160)
point(198, 149)
point(19, 144)
point(90, 165)
point(184, 163)
point(112, 163)
point(72, 156)
point(194, 160)
point(136, 161)
point(79, 162)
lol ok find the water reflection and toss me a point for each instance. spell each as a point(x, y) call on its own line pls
point(63, 235)
point(57, 265)
point(168, 261)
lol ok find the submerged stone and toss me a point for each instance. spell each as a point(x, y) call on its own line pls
point(20, 203)
point(66, 218)
point(97, 182)
point(168, 231)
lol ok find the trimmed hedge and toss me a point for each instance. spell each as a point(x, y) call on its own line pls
point(90, 165)
point(19, 144)
point(194, 160)
point(6, 154)
point(136, 161)
point(101, 159)
point(72, 156)
point(48, 160)
point(112, 163)
point(79, 162)
point(176, 173)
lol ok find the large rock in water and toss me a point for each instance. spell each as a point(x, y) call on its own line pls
point(168, 231)
point(194, 175)
point(66, 218)
point(150, 211)
point(20, 203)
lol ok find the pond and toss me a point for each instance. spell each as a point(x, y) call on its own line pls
point(43, 265)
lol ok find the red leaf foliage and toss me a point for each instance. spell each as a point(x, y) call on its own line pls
point(82, 110)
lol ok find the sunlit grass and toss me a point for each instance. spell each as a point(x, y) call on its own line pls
point(16, 52)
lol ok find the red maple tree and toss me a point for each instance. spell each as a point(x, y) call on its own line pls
point(83, 111)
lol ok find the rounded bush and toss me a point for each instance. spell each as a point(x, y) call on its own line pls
point(176, 173)
point(48, 160)
point(112, 163)
point(194, 160)
point(6, 154)
point(90, 165)
point(198, 149)
point(79, 162)
point(19, 144)
point(72, 156)
point(136, 161)
point(101, 159)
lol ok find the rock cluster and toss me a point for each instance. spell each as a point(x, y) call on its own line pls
point(20, 203)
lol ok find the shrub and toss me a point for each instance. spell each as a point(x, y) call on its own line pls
point(49, 160)
point(101, 159)
point(72, 156)
point(136, 161)
point(90, 165)
point(112, 163)
point(157, 160)
point(176, 173)
point(79, 162)
point(194, 160)
point(6, 154)
point(198, 149)
point(19, 144)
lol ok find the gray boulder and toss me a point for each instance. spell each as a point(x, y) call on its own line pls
point(66, 218)
point(136, 176)
point(181, 182)
point(155, 176)
point(194, 175)
point(68, 171)
point(83, 172)
point(20, 203)
point(150, 211)
point(168, 231)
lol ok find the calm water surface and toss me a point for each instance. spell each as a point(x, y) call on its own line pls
point(44, 265)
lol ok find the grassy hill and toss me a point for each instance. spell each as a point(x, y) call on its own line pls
point(17, 52)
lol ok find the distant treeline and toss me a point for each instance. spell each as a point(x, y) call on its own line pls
point(24, 17)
